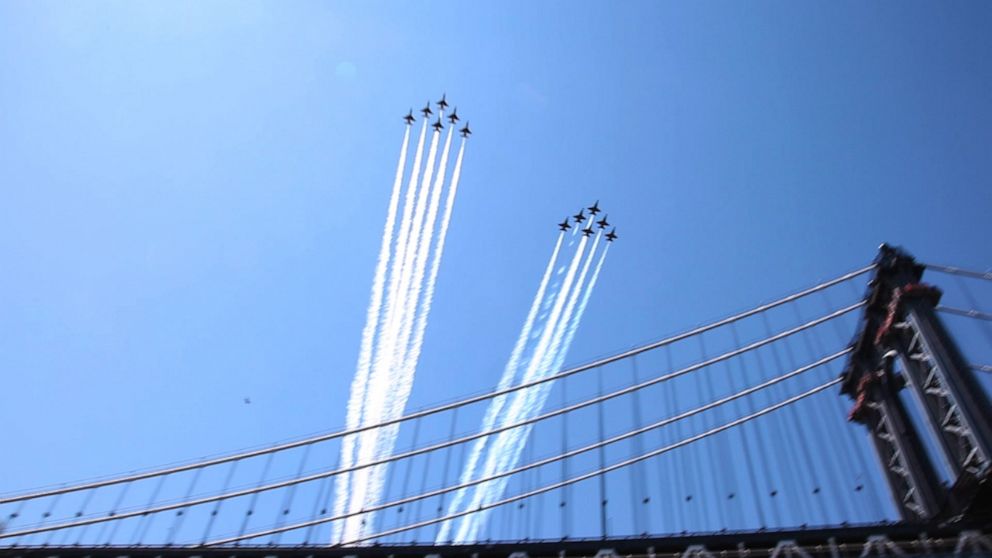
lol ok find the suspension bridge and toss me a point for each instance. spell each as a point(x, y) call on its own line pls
point(850, 418)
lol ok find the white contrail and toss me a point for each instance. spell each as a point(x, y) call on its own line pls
point(391, 348)
point(360, 381)
point(406, 368)
point(409, 288)
point(508, 455)
point(397, 331)
point(503, 439)
point(516, 408)
point(349, 489)
point(496, 405)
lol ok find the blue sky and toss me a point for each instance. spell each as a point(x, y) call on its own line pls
point(193, 193)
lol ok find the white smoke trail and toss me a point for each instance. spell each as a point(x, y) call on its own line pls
point(512, 458)
point(419, 266)
point(508, 455)
point(396, 334)
point(391, 348)
point(350, 487)
point(507, 439)
point(360, 381)
point(409, 288)
point(406, 368)
point(496, 406)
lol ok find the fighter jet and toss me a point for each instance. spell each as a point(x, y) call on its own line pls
point(595, 208)
point(437, 125)
point(612, 235)
point(427, 110)
point(564, 226)
point(454, 116)
point(603, 223)
point(409, 117)
point(579, 217)
point(587, 231)
point(442, 103)
point(465, 131)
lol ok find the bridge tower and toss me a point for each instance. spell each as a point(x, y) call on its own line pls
point(900, 324)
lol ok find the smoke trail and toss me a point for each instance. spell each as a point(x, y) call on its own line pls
point(360, 381)
point(397, 332)
point(507, 455)
point(541, 399)
point(509, 372)
point(506, 439)
point(408, 287)
point(349, 493)
point(420, 263)
point(386, 361)
point(406, 368)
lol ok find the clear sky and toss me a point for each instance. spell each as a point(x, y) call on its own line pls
point(192, 194)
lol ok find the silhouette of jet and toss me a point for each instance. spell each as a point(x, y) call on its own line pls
point(465, 131)
point(437, 125)
point(612, 235)
point(564, 226)
point(454, 116)
point(603, 223)
point(579, 217)
point(409, 117)
point(595, 208)
point(427, 110)
point(443, 103)
point(587, 231)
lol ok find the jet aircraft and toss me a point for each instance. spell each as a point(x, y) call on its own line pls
point(409, 117)
point(443, 103)
point(595, 208)
point(437, 125)
point(465, 131)
point(564, 226)
point(587, 231)
point(603, 223)
point(454, 116)
point(612, 235)
point(427, 110)
point(579, 217)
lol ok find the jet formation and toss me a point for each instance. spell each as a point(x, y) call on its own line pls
point(442, 104)
point(579, 218)
point(588, 230)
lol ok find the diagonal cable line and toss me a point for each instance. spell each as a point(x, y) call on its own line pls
point(970, 313)
point(953, 270)
point(442, 445)
point(447, 406)
point(596, 445)
point(579, 478)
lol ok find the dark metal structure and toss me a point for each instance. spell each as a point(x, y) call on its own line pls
point(900, 325)
point(852, 541)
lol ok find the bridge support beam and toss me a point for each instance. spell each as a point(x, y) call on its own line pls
point(869, 379)
point(912, 481)
point(900, 321)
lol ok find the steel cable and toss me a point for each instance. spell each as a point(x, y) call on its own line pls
point(444, 407)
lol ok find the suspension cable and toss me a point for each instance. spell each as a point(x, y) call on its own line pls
point(970, 313)
point(573, 480)
point(443, 407)
point(445, 444)
point(986, 275)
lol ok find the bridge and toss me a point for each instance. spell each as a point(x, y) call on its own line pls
point(850, 418)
